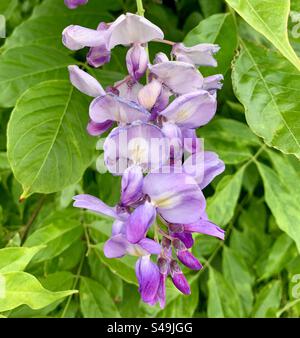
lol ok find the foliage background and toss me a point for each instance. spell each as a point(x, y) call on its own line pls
point(49, 249)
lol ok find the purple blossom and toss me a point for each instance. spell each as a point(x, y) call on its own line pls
point(155, 125)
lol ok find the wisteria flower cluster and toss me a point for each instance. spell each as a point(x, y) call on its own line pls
point(155, 111)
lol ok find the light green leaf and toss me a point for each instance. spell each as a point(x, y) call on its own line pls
point(223, 300)
point(239, 276)
point(217, 29)
point(122, 267)
point(230, 139)
point(48, 146)
point(210, 7)
point(270, 18)
point(181, 306)
point(282, 203)
point(8, 7)
point(95, 301)
point(57, 236)
point(221, 206)
point(268, 300)
point(281, 253)
point(267, 85)
point(16, 259)
point(23, 67)
point(22, 288)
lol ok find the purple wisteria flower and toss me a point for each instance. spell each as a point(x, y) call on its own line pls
point(154, 112)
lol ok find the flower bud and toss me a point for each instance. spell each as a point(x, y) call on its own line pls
point(72, 4)
point(137, 61)
point(179, 279)
point(189, 260)
point(178, 245)
point(176, 227)
point(163, 265)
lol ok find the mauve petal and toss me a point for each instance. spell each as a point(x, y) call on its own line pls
point(213, 82)
point(132, 184)
point(76, 37)
point(112, 107)
point(141, 144)
point(205, 227)
point(173, 133)
point(131, 28)
point(84, 82)
point(116, 246)
point(118, 227)
point(96, 129)
point(72, 4)
point(185, 237)
point(129, 89)
point(180, 77)
point(100, 55)
point(94, 204)
point(148, 277)
point(149, 94)
point(177, 197)
point(191, 110)
point(199, 55)
point(191, 142)
point(137, 61)
point(160, 57)
point(151, 246)
point(139, 222)
point(189, 260)
point(203, 167)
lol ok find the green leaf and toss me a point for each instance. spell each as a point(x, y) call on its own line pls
point(122, 267)
point(16, 259)
point(210, 7)
point(268, 300)
point(46, 30)
point(8, 7)
point(57, 236)
point(218, 29)
point(22, 288)
point(230, 139)
point(281, 253)
point(282, 203)
point(223, 300)
point(221, 206)
point(95, 301)
point(237, 273)
point(23, 67)
point(48, 146)
point(99, 272)
point(267, 85)
point(270, 18)
point(182, 307)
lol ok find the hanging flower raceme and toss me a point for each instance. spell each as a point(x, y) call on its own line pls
point(154, 112)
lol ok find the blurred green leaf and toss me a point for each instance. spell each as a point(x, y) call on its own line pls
point(23, 288)
point(223, 300)
point(268, 300)
point(282, 203)
point(221, 206)
point(211, 7)
point(16, 259)
point(95, 301)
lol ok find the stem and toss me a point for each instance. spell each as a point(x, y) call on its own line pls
point(140, 8)
point(167, 42)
